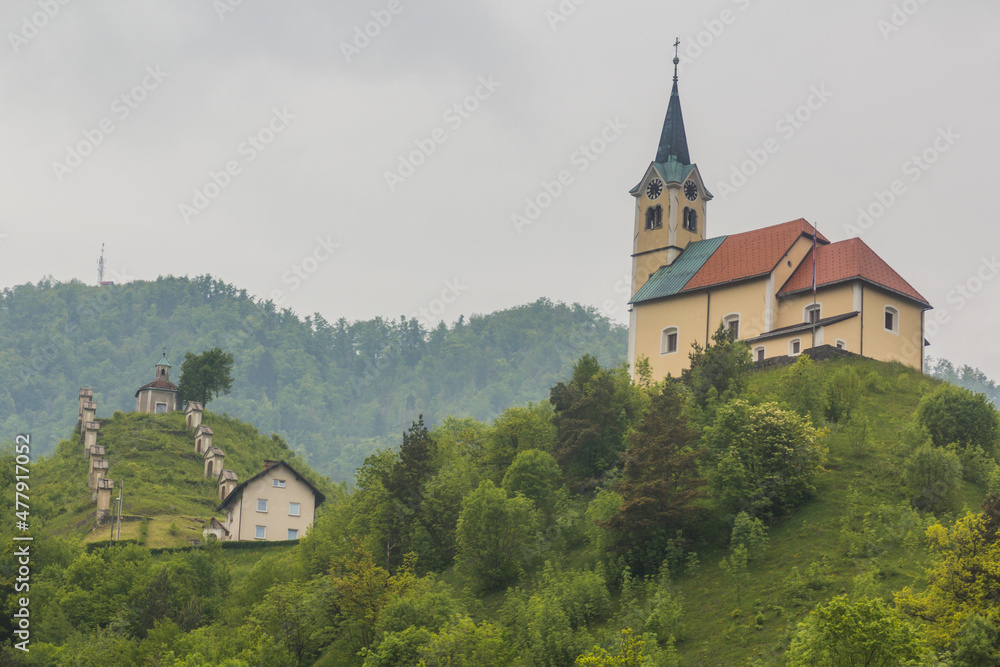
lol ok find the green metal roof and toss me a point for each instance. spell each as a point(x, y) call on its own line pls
point(670, 280)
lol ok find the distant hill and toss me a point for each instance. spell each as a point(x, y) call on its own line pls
point(334, 391)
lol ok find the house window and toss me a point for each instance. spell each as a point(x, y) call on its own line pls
point(260, 533)
point(732, 323)
point(891, 320)
point(161, 408)
point(654, 217)
point(280, 483)
point(690, 220)
point(293, 509)
point(668, 340)
point(794, 346)
point(841, 345)
point(812, 313)
point(261, 505)
point(293, 534)
point(758, 353)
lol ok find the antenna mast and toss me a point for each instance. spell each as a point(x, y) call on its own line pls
point(100, 267)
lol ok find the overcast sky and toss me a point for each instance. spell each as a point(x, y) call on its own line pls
point(245, 139)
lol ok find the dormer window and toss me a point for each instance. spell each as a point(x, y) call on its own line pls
point(654, 217)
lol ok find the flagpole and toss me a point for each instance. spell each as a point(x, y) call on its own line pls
point(814, 323)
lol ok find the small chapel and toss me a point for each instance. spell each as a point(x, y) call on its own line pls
point(160, 395)
point(783, 289)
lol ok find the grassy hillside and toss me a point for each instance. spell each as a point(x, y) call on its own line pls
point(164, 477)
point(858, 534)
point(346, 588)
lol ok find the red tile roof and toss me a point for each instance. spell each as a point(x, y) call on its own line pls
point(162, 385)
point(751, 254)
point(846, 260)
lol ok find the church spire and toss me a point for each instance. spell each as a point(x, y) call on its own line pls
point(673, 140)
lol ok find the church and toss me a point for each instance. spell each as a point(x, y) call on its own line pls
point(783, 289)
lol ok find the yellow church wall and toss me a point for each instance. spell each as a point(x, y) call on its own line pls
point(748, 299)
point(833, 300)
point(906, 346)
point(687, 313)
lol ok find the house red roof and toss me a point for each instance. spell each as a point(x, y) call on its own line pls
point(162, 385)
point(848, 260)
point(750, 254)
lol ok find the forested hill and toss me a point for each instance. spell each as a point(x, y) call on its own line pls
point(335, 391)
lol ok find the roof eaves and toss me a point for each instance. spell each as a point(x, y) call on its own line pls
point(803, 326)
point(841, 281)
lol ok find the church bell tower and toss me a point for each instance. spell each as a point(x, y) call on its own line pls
point(670, 200)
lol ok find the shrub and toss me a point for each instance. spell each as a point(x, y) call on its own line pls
point(932, 475)
point(751, 533)
point(800, 388)
point(843, 393)
point(762, 459)
point(955, 415)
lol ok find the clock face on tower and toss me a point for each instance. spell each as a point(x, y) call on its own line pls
point(654, 188)
point(690, 190)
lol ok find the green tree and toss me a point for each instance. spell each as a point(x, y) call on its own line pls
point(761, 459)
point(661, 486)
point(843, 394)
point(802, 390)
point(493, 534)
point(464, 643)
point(958, 416)
point(751, 533)
point(205, 376)
point(517, 429)
point(932, 476)
point(592, 414)
point(535, 475)
point(722, 367)
point(864, 632)
point(964, 577)
point(631, 651)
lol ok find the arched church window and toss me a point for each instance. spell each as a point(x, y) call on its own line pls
point(690, 220)
point(654, 217)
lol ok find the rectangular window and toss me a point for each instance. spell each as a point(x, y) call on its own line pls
point(293, 509)
point(796, 346)
point(261, 533)
point(672, 342)
point(293, 534)
point(280, 483)
point(161, 408)
point(813, 314)
point(890, 320)
point(261, 505)
point(760, 354)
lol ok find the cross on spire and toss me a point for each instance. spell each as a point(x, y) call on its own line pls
point(676, 59)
